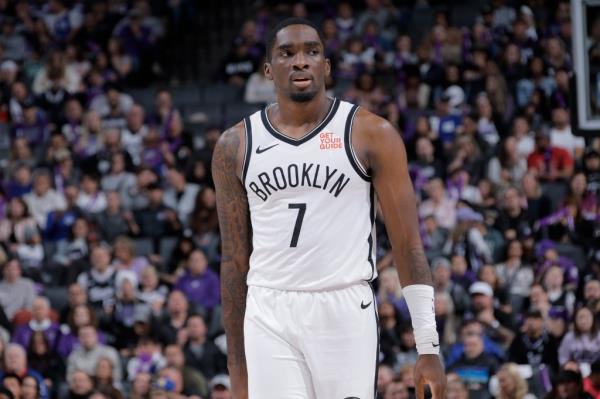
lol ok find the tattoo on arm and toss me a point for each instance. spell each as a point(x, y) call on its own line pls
point(418, 266)
point(234, 222)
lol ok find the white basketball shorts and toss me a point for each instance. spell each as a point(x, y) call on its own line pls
point(311, 345)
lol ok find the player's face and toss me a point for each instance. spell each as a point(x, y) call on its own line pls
point(298, 66)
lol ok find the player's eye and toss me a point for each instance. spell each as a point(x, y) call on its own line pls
point(313, 52)
point(284, 53)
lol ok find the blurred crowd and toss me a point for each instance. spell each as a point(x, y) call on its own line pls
point(508, 195)
point(109, 241)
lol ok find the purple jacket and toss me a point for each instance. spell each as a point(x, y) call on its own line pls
point(23, 334)
point(202, 290)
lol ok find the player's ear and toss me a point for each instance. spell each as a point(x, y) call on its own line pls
point(267, 70)
point(327, 66)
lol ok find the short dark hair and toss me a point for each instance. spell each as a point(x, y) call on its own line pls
point(285, 23)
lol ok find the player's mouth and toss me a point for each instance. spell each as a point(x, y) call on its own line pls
point(301, 82)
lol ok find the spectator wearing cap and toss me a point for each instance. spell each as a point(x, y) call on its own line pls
point(581, 344)
point(498, 324)
point(16, 292)
point(194, 382)
point(591, 384)
point(220, 387)
point(200, 352)
point(86, 357)
point(40, 321)
point(548, 162)
point(515, 275)
point(156, 220)
point(475, 367)
point(439, 204)
point(533, 344)
point(569, 385)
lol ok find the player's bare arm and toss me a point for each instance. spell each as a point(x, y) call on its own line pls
point(234, 222)
point(381, 150)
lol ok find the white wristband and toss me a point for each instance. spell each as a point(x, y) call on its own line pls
point(419, 298)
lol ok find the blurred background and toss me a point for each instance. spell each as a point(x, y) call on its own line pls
point(109, 238)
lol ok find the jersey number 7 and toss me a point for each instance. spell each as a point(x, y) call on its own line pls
point(301, 210)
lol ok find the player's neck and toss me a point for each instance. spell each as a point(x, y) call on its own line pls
point(290, 114)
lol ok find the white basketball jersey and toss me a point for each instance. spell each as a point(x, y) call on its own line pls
point(312, 205)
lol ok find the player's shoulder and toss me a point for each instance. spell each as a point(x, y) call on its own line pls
point(232, 136)
point(371, 126)
point(230, 144)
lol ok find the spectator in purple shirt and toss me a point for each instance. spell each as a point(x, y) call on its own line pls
point(40, 321)
point(199, 284)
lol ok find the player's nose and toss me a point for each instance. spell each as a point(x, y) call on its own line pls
point(299, 61)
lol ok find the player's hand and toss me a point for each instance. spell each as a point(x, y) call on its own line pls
point(429, 370)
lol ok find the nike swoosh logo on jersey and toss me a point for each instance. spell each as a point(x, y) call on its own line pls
point(434, 345)
point(261, 150)
point(363, 306)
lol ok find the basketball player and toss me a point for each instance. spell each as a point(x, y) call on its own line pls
point(296, 189)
